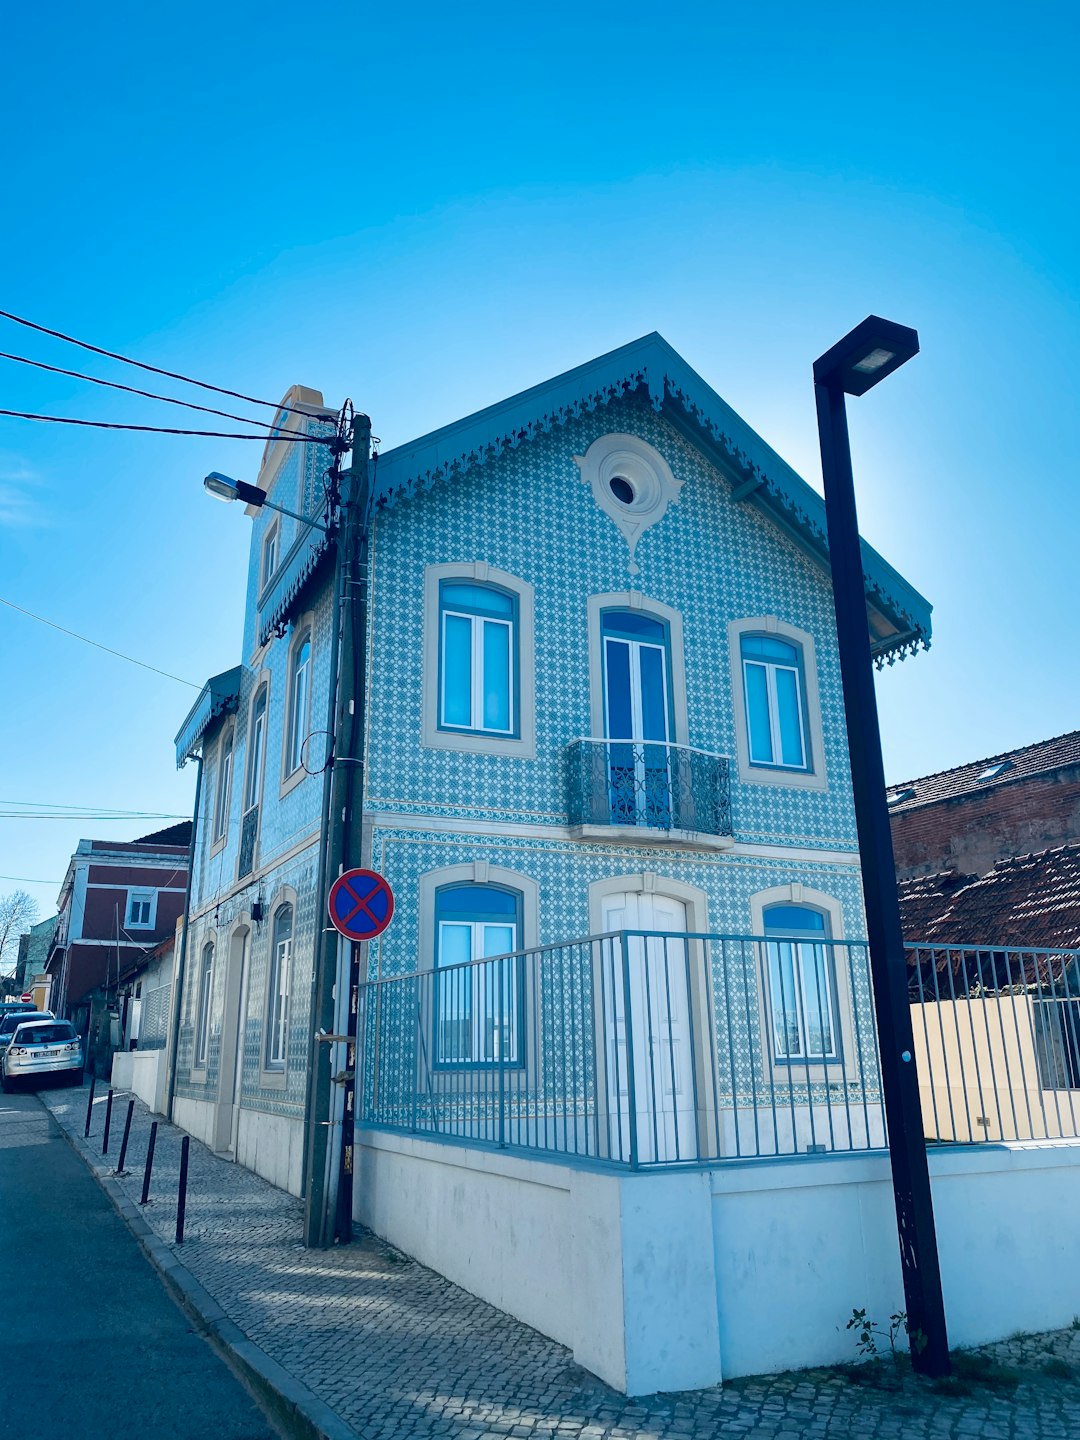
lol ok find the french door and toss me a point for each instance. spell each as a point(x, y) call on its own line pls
point(663, 1115)
point(637, 712)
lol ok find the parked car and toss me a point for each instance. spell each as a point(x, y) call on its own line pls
point(39, 1048)
point(12, 1007)
point(10, 1023)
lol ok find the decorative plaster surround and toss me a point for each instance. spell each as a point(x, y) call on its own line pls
point(623, 463)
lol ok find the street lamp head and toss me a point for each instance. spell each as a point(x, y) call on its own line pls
point(223, 488)
point(871, 351)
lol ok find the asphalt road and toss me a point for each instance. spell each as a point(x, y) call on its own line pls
point(90, 1342)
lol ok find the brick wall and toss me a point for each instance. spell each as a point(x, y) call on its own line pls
point(971, 832)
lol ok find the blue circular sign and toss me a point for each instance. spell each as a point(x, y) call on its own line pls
point(361, 904)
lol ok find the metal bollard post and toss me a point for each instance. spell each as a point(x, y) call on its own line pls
point(181, 1198)
point(124, 1142)
point(148, 1167)
point(108, 1122)
point(89, 1108)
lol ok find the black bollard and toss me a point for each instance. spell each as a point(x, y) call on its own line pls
point(149, 1164)
point(181, 1199)
point(124, 1142)
point(108, 1122)
point(89, 1108)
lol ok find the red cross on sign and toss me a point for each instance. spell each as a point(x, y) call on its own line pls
point(361, 904)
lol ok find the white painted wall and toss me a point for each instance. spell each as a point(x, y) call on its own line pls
point(271, 1145)
point(665, 1281)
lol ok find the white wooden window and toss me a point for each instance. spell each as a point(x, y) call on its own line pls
point(202, 1017)
point(223, 792)
point(277, 1018)
point(140, 910)
point(299, 703)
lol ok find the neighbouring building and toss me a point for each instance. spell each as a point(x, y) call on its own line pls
point(34, 949)
point(967, 819)
point(119, 900)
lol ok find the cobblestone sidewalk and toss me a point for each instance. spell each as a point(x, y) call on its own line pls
point(396, 1351)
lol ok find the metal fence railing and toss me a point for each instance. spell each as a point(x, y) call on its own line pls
point(646, 1048)
point(637, 1048)
point(997, 1041)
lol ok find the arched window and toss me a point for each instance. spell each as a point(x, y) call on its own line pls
point(299, 702)
point(223, 790)
point(255, 751)
point(477, 1010)
point(774, 686)
point(277, 1009)
point(801, 983)
point(202, 1012)
point(478, 658)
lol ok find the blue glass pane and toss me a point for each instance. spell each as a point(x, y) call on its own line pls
point(764, 647)
point(498, 939)
point(757, 713)
point(789, 709)
point(457, 671)
point(478, 599)
point(653, 694)
point(477, 902)
point(496, 676)
point(782, 993)
point(816, 1003)
point(633, 623)
point(455, 944)
point(620, 724)
point(793, 917)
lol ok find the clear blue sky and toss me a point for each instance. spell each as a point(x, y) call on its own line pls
point(428, 207)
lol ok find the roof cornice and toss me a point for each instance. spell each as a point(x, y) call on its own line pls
point(899, 614)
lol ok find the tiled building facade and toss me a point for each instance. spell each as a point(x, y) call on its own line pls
point(619, 501)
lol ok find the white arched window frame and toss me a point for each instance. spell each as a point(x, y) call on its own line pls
point(256, 746)
point(223, 787)
point(278, 988)
point(810, 774)
point(297, 724)
point(203, 1001)
point(813, 968)
point(519, 738)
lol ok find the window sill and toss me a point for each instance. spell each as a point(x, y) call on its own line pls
point(273, 1079)
point(651, 835)
point(472, 742)
point(291, 781)
point(217, 846)
point(785, 779)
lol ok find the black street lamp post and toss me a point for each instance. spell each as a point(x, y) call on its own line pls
point(871, 351)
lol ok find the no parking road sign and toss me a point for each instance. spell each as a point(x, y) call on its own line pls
point(361, 904)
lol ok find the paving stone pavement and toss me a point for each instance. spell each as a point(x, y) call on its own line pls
point(397, 1351)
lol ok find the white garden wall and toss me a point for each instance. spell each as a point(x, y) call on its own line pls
point(669, 1281)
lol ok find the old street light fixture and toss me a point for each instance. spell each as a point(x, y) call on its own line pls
point(854, 365)
point(222, 487)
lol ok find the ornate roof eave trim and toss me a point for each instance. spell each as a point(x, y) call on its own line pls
point(899, 617)
point(280, 601)
point(219, 696)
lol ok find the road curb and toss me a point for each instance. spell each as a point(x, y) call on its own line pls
point(288, 1401)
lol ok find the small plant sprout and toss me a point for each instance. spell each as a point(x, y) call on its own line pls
point(868, 1334)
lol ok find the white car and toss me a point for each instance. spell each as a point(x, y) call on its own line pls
point(39, 1048)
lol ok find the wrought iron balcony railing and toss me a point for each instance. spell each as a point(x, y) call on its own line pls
point(649, 784)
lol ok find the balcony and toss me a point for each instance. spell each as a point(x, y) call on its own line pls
point(648, 790)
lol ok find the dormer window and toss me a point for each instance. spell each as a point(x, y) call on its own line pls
point(993, 771)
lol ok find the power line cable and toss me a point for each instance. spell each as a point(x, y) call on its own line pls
point(97, 644)
point(170, 430)
point(82, 815)
point(94, 809)
point(132, 390)
point(153, 369)
point(25, 880)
